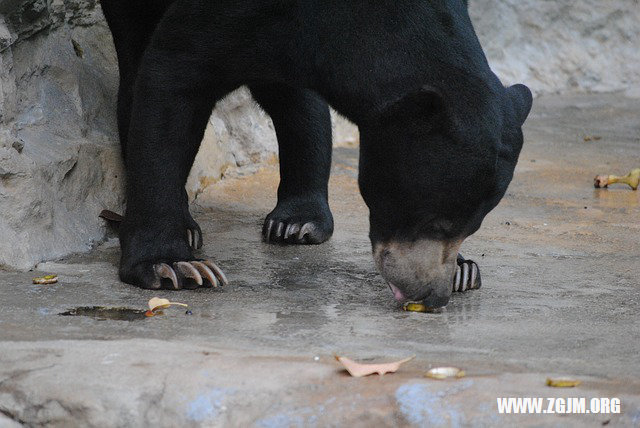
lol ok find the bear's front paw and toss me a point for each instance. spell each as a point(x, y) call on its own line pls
point(298, 222)
point(158, 255)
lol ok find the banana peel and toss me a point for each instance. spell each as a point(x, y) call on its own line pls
point(632, 179)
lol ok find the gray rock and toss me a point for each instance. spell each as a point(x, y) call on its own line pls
point(561, 46)
point(59, 161)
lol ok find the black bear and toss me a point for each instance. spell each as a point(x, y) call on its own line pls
point(440, 135)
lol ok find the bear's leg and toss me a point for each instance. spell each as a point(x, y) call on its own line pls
point(172, 102)
point(303, 127)
point(132, 23)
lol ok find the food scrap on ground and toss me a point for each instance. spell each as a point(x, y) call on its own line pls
point(445, 372)
point(562, 382)
point(592, 138)
point(358, 369)
point(632, 179)
point(419, 307)
point(156, 304)
point(47, 279)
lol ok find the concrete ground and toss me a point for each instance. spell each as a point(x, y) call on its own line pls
point(560, 296)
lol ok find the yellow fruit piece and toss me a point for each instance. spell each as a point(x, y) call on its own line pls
point(419, 307)
point(562, 382)
point(445, 372)
point(47, 279)
point(414, 307)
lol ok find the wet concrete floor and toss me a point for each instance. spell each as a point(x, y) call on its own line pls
point(560, 296)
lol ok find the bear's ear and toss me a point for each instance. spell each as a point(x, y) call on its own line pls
point(424, 102)
point(521, 99)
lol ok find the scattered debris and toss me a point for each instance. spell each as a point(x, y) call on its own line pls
point(156, 304)
point(445, 372)
point(592, 138)
point(359, 370)
point(419, 307)
point(111, 216)
point(47, 279)
point(562, 382)
point(632, 179)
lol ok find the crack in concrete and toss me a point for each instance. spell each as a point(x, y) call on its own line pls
point(155, 400)
point(20, 373)
point(12, 416)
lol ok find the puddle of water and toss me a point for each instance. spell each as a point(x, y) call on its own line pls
point(101, 313)
point(616, 198)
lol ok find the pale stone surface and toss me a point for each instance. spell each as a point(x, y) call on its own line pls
point(59, 156)
point(560, 46)
point(142, 382)
point(559, 297)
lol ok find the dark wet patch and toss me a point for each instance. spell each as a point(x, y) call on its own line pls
point(101, 313)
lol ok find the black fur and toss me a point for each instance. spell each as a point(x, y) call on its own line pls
point(440, 135)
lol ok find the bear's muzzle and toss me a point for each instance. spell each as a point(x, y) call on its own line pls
point(421, 270)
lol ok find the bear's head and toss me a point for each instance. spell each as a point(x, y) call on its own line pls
point(432, 166)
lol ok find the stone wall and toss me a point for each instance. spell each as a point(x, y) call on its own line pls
point(59, 157)
point(59, 162)
point(562, 46)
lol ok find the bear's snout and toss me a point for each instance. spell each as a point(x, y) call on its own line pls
point(421, 270)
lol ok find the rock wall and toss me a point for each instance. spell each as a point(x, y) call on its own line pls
point(562, 46)
point(59, 164)
point(59, 157)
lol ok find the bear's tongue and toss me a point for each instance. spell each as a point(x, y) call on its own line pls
point(397, 293)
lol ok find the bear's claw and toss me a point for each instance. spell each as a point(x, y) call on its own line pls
point(163, 270)
point(203, 273)
point(194, 236)
point(467, 275)
point(289, 233)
